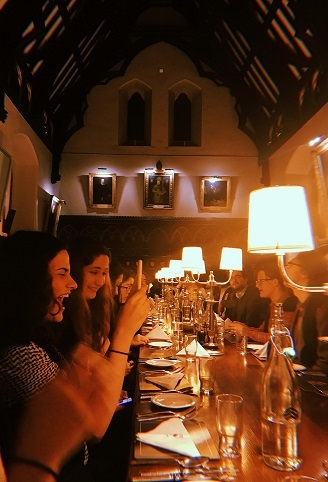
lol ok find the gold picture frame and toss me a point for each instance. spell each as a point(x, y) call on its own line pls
point(158, 188)
point(215, 192)
point(102, 191)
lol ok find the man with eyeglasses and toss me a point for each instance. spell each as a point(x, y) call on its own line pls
point(242, 302)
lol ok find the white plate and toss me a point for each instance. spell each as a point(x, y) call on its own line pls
point(160, 362)
point(173, 400)
point(160, 344)
point(298, 368)
point(323, 338)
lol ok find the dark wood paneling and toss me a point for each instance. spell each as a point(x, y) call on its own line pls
point(157, 240)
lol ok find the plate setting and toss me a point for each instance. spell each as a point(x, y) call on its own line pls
point(160, 363)
point(159, 344)
point(173, 400)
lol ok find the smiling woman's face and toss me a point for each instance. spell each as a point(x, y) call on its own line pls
point(62, 284)
point(94, 276)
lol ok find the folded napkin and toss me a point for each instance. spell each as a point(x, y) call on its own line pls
point(200, 350)
point(169, 380)
point(262, 352)
point(170, 435)
point(146, 386)
point(254, 346)
point(157, 334)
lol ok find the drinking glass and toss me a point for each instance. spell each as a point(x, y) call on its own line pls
point(229, 419)
point(241, 343)
point(191, 347)
point(206, 374)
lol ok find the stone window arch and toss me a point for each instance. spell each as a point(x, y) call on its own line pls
point(185, 114)
point(134, 125)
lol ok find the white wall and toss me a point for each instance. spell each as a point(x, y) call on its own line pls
point(225, 150)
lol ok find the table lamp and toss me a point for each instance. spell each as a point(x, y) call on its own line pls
point(279, 223)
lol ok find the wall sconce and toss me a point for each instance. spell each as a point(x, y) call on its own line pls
point(279, 223)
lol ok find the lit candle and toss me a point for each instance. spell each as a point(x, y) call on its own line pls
point(139, 273)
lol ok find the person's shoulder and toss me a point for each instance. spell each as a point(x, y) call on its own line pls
point(290, 303)
point(28, 355)
point(252, 291)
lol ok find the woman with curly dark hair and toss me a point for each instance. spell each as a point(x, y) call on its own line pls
point(90, 308)
point(34, 280)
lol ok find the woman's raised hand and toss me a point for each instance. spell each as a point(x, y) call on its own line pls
point(134, 311)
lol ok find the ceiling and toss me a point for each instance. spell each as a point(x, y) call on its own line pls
point(272, 54)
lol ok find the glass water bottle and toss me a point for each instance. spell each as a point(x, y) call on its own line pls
point(280, 402)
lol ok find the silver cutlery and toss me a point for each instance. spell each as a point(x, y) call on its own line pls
point(182, 475)
point(169, 372)
point(149, 395)
point(166, 414)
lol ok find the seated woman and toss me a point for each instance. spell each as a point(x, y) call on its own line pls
point(270, 285)
point(87, 319)
point(34, 280)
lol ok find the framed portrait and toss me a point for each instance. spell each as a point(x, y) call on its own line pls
point(53, 214)
point(102, 191)
point(158, 189)
point(320, 166)
point(215, 194)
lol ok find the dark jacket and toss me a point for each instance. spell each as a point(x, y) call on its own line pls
point(314, 319)
point(249, 309)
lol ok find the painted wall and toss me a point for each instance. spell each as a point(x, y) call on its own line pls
point(293, 164)
point(224, 150)
point(30, 185)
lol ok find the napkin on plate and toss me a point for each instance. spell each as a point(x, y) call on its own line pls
point(170, 435)
point(157, 334)
point(169, 380)
point(200, 350)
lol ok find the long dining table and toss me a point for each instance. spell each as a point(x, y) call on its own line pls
point(241, 375)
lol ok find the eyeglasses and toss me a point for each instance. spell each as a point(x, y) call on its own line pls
point(288, 265)
point(260, 281)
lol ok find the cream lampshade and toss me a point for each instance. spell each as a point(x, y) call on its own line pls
point(279, 221)
point(176, 268)
point(231, 259)
point(192, 259)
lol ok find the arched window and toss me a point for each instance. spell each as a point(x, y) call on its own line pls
point(182, 120)
point(136, 120)
point(185, 114)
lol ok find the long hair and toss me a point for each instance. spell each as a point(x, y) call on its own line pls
point(87, 321)
point(26, 292)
